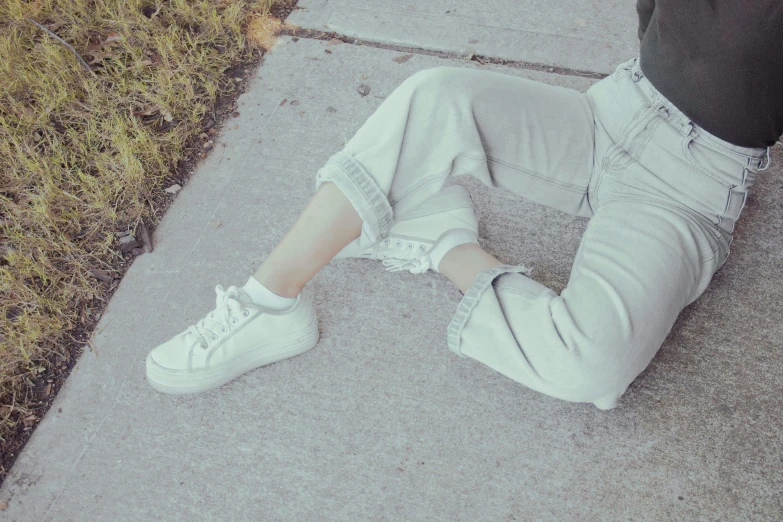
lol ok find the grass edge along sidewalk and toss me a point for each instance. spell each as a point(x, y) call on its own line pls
point(103, 105)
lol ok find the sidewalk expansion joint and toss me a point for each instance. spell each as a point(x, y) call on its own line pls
point(313, 34)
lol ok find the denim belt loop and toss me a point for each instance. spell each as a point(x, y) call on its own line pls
point(769, 161)
point(637, 75)
point(687, 129)
point(745, 173)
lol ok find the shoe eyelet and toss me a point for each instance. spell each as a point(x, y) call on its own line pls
point(234, 320)
point(411, 245)
point(245, 312)
point(214, 337)
point(423, 248)
point(224, 329)
point(399, 243)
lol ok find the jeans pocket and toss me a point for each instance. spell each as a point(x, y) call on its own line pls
point(733, 177)
point(721, 168)
point(735, 204)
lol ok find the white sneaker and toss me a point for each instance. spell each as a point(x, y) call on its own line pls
point(413, 237)
point(236, 337)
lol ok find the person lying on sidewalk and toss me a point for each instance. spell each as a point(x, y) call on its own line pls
point(660, 155)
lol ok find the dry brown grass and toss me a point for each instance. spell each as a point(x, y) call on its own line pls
point(83, 155)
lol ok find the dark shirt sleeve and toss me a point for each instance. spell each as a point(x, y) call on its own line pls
point(645, 9)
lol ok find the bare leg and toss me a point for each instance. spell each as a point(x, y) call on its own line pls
point(328, 223)
point(463, 263)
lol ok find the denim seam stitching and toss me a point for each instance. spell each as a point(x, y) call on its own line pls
point(614, 150)
point(722, 149)
point(587, 109)
point(641, 145)
point(728, 203)
point(517, 291)
point(536, 175)
point(419, 185)
point(443, 174)
point(690, 138)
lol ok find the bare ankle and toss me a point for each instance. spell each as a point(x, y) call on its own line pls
point(281, 286)
point(464, 262)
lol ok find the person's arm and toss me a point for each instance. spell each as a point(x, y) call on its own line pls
point(645, 9)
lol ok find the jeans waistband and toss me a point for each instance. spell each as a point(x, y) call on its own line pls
point(759, 155)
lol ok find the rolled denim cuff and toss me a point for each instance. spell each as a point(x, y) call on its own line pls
point(471, 299)
point(362, 192)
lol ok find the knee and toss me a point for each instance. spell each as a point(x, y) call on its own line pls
point(436, 81)
point(592, 373)
point(594, 354)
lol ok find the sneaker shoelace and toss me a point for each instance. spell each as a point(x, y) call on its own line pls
point(221, 319)
point(398, 254)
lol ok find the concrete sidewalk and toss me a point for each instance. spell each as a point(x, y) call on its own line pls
point(592, 36)
point(381, 421)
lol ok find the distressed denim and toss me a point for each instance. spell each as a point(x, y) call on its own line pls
point(662, 195)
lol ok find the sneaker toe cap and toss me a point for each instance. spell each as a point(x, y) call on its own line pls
point(173, 354)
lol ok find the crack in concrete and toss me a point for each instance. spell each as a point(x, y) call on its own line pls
point(313, 34)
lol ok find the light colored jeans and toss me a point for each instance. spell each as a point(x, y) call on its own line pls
point(662, 194)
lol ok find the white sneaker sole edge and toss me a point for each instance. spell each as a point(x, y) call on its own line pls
point(182, 382)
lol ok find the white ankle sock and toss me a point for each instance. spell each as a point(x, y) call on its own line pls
point(262, 296)
point(453, 238)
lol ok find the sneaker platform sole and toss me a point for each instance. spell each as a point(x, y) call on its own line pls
point(182, 382)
